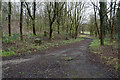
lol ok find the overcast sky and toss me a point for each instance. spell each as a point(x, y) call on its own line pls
point(59, 0)
point(88, 12)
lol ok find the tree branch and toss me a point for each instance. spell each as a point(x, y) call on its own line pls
point(28, 9)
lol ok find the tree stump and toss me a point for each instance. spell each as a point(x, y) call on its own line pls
point(38, 41)
point(66, 38)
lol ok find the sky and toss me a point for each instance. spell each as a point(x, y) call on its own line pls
point(59, 0)
point(88, 12)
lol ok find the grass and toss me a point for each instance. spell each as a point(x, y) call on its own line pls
point(86, 32)
point(7, 53)
point(95, 44)
point(27, 46)
point(96, 49)
point(56, 44)
point(111, 60)
point(85, 36)
point(9, 39)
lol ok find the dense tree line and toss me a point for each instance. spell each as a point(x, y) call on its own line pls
point(66, 17)
point(108, 16)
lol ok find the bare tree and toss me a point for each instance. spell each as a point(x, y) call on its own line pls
point(9, 19)
point(59, 14)
point(52, 14)
point(118, 21)
point(34, 10)
point(112, 18)
point(21, 21)
point(32, 16)
point(0, 16)
point(51, 9)
point(101, 13)
point(95, 17)
point(78, 16)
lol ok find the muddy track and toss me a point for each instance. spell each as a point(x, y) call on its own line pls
point(69, 61)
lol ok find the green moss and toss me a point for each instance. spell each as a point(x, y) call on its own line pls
point(7, 53)
point(9, 39)
point(110, 58)
point(56, 44)
point(86, 36)
point(95, 44)
point(117, 66)
point(96, 52)
point(20, 72)
point(43, 46)
point(68, 58)
point(118, 44)
point(76, 76)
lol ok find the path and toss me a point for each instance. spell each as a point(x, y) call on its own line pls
point(69, 61)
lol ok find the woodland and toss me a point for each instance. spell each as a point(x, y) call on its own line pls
point(60, 39)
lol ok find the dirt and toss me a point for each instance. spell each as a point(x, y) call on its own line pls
point(106, 51)
point(68, 61)
point(27, 46)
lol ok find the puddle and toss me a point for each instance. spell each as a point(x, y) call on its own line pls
point(17, 61)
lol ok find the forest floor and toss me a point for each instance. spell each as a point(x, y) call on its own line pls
point(72, 60)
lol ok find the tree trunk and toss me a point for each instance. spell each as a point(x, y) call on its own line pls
point(58, 27)
point(51, 30)
point(118, 21)
point(101, 13)
point(21, 18)
point(96, 22)
point(111, 21)
point(71, 28)
point(75, 20)
point(76, 31)
point(34, 31)
point(67, 28)
point(9, 19)
point(101, 32)
point(105, 23)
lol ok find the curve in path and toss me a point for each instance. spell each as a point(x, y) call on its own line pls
point(69, 61)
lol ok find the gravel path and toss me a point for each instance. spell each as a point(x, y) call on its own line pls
point(69, 61)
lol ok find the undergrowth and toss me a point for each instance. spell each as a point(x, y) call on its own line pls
point(96, 49)
point(7, 53)
point(9, 39)
point(31, 48)
point(56, 44)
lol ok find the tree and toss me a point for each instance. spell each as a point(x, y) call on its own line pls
point(78, 16)
point(118, 21)
point(71, 18)
point(0, 5)
point(9, 19)
point(32, 16)
point(91, 25)
point(59, 7)
point(112, 18)
point(102, 13)
point(0, 18)
point(21, 20)
point(34, 32)
point(95, 18)
point(58, 18)
point(51, 9)
point(52, 14)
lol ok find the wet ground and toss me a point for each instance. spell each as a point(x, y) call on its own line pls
point(69, 61)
